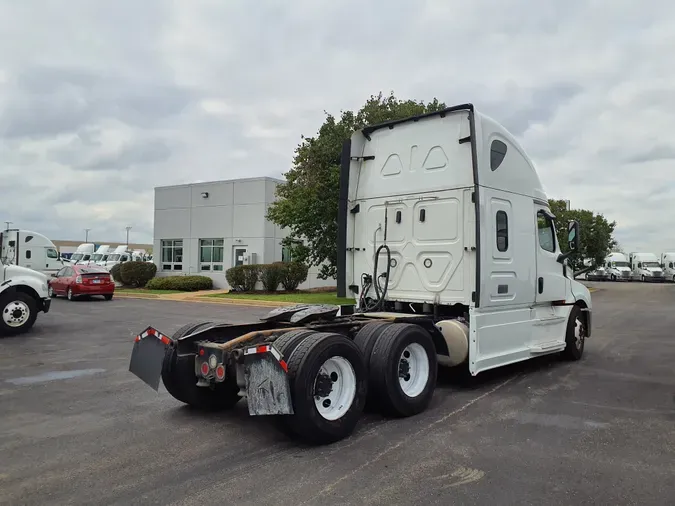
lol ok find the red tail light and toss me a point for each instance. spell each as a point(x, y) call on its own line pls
point(220, 372)
point(205, 369)
point(78, 280)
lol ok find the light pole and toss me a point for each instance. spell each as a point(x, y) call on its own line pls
point(127, 229)
point(86, 234)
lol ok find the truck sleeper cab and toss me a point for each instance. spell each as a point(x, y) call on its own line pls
point(446, 240)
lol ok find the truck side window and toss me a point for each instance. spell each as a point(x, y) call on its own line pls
point(670, 265)
point(52, 253)
point(28, 254)
point(502, 231)
point(546, 232)
point(639, 265)
point(497, 154)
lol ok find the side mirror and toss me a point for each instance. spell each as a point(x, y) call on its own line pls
point(53, 274)
point(573, 235)
point(572, 241)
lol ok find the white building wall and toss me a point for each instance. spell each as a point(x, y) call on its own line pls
point(234, 211)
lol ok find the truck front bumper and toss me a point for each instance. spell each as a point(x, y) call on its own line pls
point(46, 304)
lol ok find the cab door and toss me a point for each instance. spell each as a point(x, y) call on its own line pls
point(550, 282)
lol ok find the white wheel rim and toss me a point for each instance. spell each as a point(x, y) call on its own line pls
point(338, 373)
point(16, 313)
point(413, 370)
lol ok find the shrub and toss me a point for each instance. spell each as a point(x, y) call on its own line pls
point(270, 276)
point(115, 272)
point(137, 273)
point(251, 277)
point(293, 274)
point(235, 278)
point(182, 283)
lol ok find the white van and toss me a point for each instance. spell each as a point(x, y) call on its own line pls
point(617, 267)
point(646, 267)
point(83, 253)
point(668, 265)
point(30, 250)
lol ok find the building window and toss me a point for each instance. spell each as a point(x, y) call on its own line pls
point(497, 154)
point(286, 254)
point(502, 231)
point(546, 232)
point(172, 255)
point(211, 252)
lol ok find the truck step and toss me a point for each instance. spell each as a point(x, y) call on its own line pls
point(547, 347)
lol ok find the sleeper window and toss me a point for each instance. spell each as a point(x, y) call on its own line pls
point(502, 231)
point(497, 154)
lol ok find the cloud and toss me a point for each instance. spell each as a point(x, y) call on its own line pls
point(100, 102)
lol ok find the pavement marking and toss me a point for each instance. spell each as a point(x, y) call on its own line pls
point(462, 476)
point(407, 439)
point(560, 421)
point(53, 375)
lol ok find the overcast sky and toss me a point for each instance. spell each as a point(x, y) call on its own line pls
point(102, 101)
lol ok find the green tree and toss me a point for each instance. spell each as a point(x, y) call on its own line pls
point(597, 239)
point(307, 204)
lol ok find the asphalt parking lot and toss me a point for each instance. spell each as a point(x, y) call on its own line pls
point(77, 428)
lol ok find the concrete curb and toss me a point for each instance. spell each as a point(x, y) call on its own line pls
point(241, 302)
point(122, 295)
point(203, 299)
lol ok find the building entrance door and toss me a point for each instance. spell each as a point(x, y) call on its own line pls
point(239, 255)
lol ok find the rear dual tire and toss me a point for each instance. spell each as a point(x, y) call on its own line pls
point(402, 367)
point(178, 376)
point(328, 383)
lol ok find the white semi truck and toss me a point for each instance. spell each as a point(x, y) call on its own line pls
point(120, 255)
point(447, 241)
point(668, 265)
point(646, 267)
point(617, 267)
point(23, 294)
point(100, 255)
point(83, 253)
point(29, 249)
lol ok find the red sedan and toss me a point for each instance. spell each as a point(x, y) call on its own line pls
point(78, 280)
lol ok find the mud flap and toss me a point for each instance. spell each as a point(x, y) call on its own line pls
point(147, 356)
point(267, 387)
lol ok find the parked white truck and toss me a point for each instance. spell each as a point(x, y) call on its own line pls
point(617, 267)
point(668, 265)
point(447, 241)
point(646, 267)
point(101, 255)
point(29, 249)
point(83, 253)
point(120, 255)
point(23, 294)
